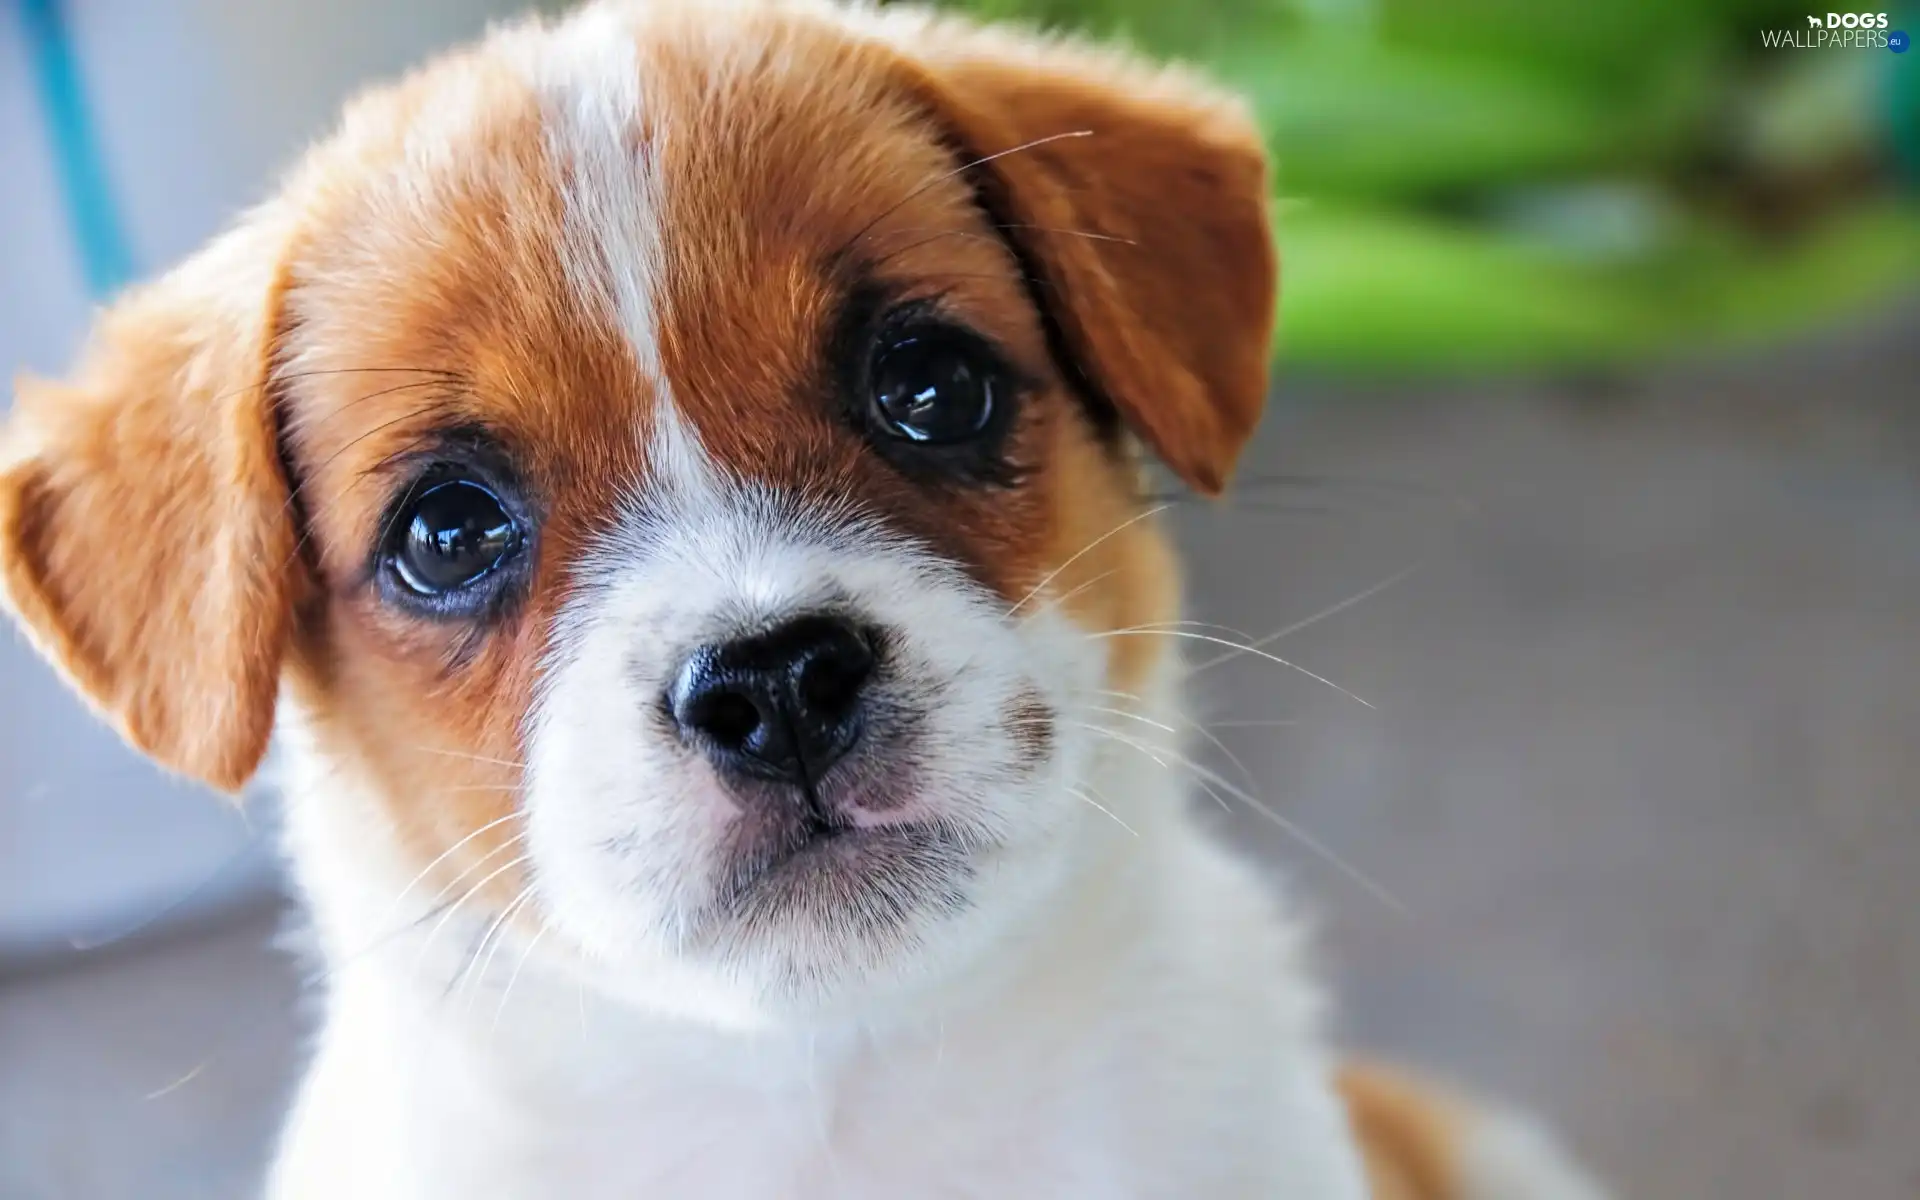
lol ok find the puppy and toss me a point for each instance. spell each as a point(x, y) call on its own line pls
point(669, 483)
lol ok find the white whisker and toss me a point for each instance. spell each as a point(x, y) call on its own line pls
point(1206, 775)
point(1156, 626)
point(181, 1082)
point(1245, 772)
point(1082, 796)
point(1070, 593)
point(962, 169)
point(474, 758)
point(1273, 658)
point(420, 956)
point(1121, 712)
point(489, 946)
point(1359, 597)
point(440, 858)
point(514, 978)
point(1082, 552)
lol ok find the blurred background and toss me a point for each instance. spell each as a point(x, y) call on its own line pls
point(1594, 463)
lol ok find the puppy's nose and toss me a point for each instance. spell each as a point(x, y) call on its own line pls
point(781, 705)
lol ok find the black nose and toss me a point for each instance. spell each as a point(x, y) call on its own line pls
point(782, 705)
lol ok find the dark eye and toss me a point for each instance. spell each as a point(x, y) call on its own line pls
point(934, 387)
point(450, 535)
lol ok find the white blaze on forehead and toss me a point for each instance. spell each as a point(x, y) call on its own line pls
point(586, 71)
point(678, 464)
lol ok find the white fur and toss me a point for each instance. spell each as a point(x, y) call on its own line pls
point(1507, 1156)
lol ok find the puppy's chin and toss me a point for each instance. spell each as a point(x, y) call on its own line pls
point(779, 922)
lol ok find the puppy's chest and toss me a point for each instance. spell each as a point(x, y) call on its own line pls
point(865, 1134)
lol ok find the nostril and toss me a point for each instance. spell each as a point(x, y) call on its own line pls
point(831, 682)
point(730, 718)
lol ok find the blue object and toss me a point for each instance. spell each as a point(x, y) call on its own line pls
point(70, 129)
point(1897, 41)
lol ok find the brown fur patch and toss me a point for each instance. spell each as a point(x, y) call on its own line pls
point(1029, 723)
point(1409, 1134)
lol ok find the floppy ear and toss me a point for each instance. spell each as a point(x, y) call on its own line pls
point(145, 536)
point(1167, 309)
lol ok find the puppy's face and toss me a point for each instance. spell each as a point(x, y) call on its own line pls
point(680, 465)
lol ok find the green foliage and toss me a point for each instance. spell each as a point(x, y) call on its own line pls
point(1375, 290)
point(1405, 130)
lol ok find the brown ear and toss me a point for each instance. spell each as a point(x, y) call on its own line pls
point(1167, 308)
point(145, 537)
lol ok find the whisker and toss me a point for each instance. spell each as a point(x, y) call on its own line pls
point(1253, 487)
point(477, 758)
point(1230, 504)
point(1081, 553)
point(1082, 796)
point(420, 956)
point(1273, 658)
point(1152, 626)
point(1331, 610)
point(962, 169)
point(514, 978)
point(1206, 775)
point(1070, 593)
point(518, 838)
point(296, 492)
point(375, 471)
point(275, 378)
point(443, 856)
point(239, 858)
point(1001, 277)
point(1079, 233)
point(181, 1082)
point(910, 247)
point(1119, 712)
point(969, 235)
point(489, 944)
point(1197, 727)
point(423, 410)
point(1142, 747)
point(446, 910)
point(340, 966)
point(1060, 600)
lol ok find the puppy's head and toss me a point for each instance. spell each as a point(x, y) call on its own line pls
point(681, 463)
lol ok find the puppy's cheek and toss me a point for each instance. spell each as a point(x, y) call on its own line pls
point(1118, 597)
point(1049, 720)
point(620, 837)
